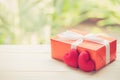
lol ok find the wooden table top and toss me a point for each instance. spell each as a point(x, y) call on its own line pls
point(34, 62)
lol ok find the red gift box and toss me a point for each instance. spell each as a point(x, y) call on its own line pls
point(97, 51)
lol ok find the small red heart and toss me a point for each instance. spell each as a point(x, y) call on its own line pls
point(85, 63)
point(71, 58)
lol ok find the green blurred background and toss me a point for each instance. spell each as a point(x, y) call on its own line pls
point(35, 21)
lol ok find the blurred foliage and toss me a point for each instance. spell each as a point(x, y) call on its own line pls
point(25, 21)
point(70, 12)
point(32, 21)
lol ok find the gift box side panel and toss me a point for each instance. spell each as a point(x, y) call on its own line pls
point(59, 49)
point(113, 47)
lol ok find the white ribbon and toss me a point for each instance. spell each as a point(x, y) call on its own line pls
point(69, 35)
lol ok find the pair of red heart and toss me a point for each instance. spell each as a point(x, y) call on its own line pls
point(82, 60)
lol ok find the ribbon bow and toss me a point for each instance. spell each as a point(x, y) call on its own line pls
point(69, 35)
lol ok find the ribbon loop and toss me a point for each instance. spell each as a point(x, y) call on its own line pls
point(69, 35)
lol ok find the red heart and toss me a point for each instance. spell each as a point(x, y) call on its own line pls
point(71, 58)
point(85, 63)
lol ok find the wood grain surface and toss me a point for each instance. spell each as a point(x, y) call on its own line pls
point(34, 62)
